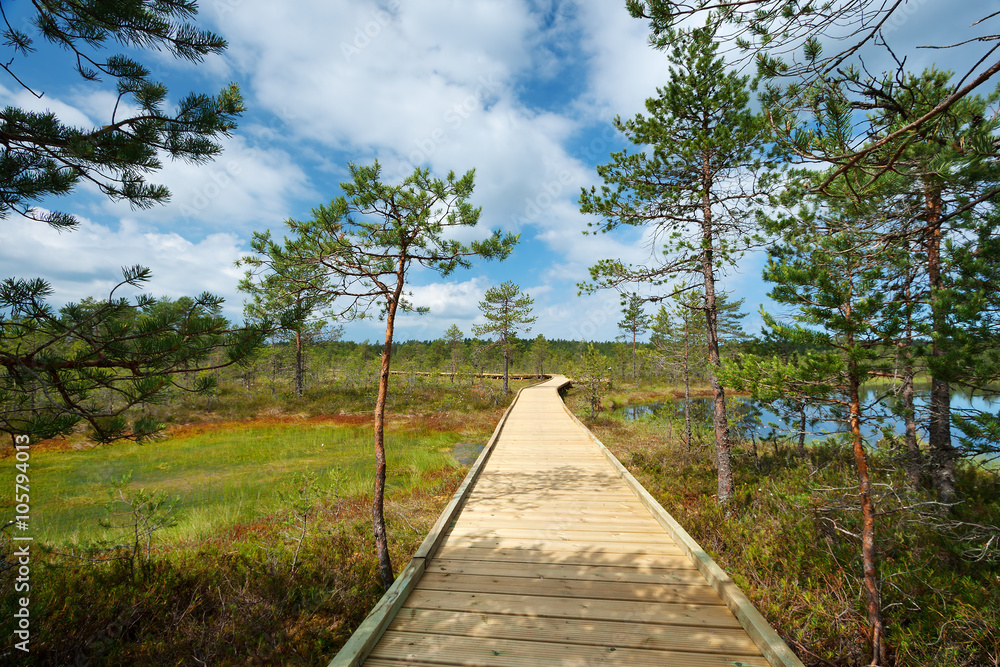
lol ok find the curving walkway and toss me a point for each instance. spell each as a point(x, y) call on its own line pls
point(551, 554)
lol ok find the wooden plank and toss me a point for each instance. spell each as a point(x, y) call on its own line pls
point(699, 593)
point(659, 613)
point(770, 642)
point(484, 652)
point(731, 641)
point(624, 524)
point(589, 506)
point(564, 557)
point(557, 529)
point(544, 492)
point(608, 546)
point(645, 574)
point(522, 509)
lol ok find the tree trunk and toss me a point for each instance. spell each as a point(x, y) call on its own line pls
point(378, 517)
point(802, 430)
point(942, 452)
point(633, 356)
point(868, 554)
point(506, 371)
point(687, 390)
point(724, 465)
point(298, 364)
point(913, 458)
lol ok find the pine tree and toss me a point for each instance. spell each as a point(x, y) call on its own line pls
point(830, 266)
point(934, 203)
point(288, 295)
point(786, 40)
point(362, 247)
point(42, 156)
point(594, 366)
point(507, 312)
point(946, 179)
point(55, 366)
point(456, 341)
point(635, 321)
point(694, 187)
point(96, 360)
point(539, 353)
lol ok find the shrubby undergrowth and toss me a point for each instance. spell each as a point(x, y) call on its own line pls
point(246, 596)
point(285, 583)
point(792, 543)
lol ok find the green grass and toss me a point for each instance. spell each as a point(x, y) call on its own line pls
point(230, 584)
point(224, 477)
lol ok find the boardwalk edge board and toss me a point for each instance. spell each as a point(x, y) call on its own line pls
point(767, 639)
point(364, 639)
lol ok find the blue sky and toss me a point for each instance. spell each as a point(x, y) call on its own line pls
point(521, 90)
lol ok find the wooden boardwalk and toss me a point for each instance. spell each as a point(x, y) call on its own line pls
point(551, 554)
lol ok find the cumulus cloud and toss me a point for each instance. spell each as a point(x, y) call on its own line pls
point(521, 90)
point(251, 186)
point(65, 109)
point(88, 261)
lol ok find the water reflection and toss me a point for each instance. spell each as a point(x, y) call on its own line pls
point(466, 453)
point(747, 416)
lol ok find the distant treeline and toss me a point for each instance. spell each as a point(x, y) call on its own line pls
point(357, 363)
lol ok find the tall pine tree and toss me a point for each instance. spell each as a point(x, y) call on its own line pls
point(507, 311)
point(360, 250)
point(693, 184)
point(832, 267)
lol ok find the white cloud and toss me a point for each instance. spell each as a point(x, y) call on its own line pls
point(450, 302)
point(509, 87)
point(67, 112)
point(623, 69)
point(88, 261)
point(251, 186)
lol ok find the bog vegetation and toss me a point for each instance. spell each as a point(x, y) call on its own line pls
point(243, 532)
point(241, 535)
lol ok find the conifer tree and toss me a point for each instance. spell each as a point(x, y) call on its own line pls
point(674, 334)
point(934, 204)
point(94, 361)
point(507, 312)
point(539, 353)
point(694, 188)
point(786, 42)
point(945, 179)
point(635, 321)
point(41, 155)
point(456, 341)
point(289, 296)
point(593, 367)
point(360, 249)
point(830, 266)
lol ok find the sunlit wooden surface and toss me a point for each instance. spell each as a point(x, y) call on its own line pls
point(555, 561)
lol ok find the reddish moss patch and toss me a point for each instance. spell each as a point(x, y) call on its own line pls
point(192, 429)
